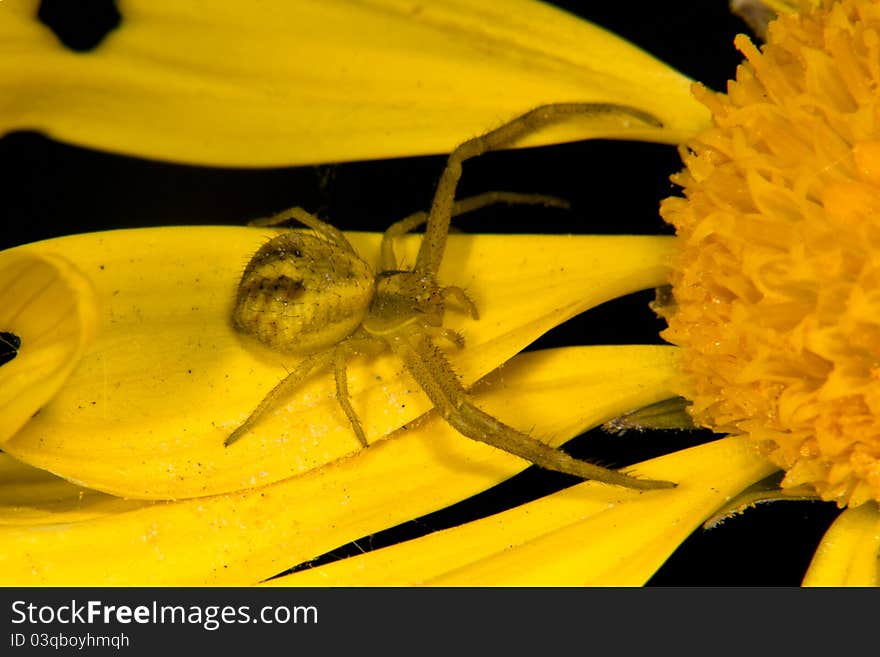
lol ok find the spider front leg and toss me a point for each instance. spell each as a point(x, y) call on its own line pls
point(442, 208)
point(388, 261)
point(461, 299)
point(430, 369)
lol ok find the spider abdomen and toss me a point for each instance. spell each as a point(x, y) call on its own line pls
point(301, 294)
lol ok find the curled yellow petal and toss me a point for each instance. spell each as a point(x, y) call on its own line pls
point(145, 413)
point(245, 537)
point(589, 534)
point(310, 81)
point(849, 553)
point(50, 308)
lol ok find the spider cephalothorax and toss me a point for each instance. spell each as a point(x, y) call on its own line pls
point(310, 293)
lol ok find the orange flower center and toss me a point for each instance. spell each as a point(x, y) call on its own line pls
point(777, 283)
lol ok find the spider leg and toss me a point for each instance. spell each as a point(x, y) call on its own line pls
point(283, 388)
point(309, 220)
point(340, 360)
point(454, 337)
point(469, 204)
point(340, 373)
point(434, 242)
point(461, 298)
point(436, 377)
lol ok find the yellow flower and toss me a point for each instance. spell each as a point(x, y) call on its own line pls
point(775, 285)
point(138, 408)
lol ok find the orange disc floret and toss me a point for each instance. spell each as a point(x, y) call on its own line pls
point(776, 287)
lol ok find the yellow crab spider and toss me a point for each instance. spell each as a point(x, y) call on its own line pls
point(310, 293)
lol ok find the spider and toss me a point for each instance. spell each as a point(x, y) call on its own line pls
point(310, 293)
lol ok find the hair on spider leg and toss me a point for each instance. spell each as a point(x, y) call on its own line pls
point(344, 304)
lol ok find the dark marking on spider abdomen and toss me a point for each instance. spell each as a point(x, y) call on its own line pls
point(300, 294)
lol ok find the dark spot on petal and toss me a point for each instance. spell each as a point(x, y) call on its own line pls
point(9, 346)
point(80, 25)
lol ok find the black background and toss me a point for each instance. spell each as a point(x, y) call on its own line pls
point(51, 189)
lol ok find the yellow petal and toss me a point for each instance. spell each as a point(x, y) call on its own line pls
point(50, 306)
point(146, 411)
point(325, 80)
point(849, 553)
point(29, 496)
point(244, 537)
point(589, 534)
